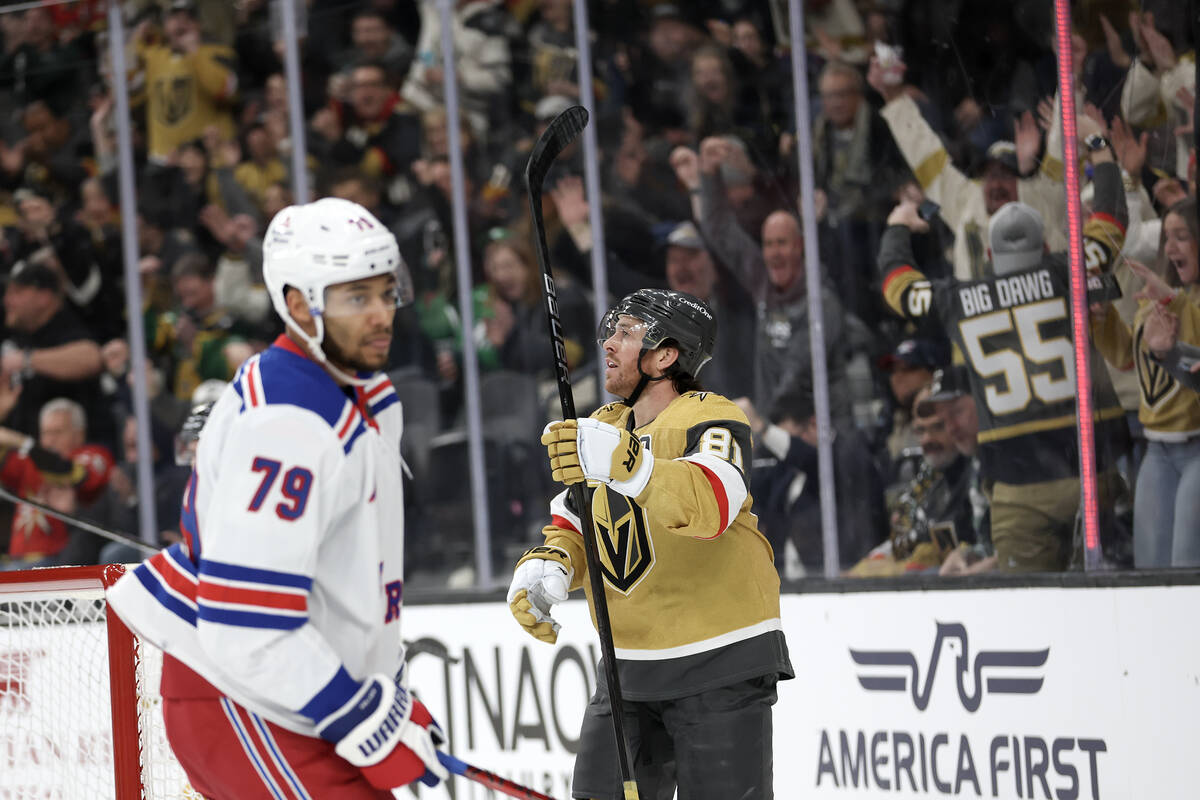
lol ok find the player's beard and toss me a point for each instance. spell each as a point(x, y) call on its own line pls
point(340, 357)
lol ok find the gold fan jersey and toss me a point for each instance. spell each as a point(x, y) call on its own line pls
point(693, 595)
point(1014, 333)
point(185, 93)
point(1168, 411)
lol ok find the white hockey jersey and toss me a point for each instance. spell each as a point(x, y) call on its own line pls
point(285, 594)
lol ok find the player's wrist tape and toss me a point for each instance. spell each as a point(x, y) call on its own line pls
point(380, 731)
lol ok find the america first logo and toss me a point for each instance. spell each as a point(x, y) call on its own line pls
point(958, 749)
point(991, 671)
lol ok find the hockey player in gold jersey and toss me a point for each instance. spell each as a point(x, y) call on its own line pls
point(693, 594)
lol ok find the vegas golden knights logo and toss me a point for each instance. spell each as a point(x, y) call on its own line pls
point(1156, 382)
point(623, 537)
point(174, 97)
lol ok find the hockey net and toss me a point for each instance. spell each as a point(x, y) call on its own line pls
point(80, 713)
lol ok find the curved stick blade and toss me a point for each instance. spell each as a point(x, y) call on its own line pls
point(561, 131)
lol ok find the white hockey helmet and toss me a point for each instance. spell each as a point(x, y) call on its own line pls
point(314, 246)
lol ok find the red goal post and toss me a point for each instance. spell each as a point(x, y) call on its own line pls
point(80, 713)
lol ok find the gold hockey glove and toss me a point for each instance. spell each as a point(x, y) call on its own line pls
point(588, 449)
point(541, 579)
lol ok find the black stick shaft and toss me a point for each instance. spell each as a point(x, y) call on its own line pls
point(561, 131)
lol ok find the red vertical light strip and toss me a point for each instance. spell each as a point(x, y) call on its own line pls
point(122, 676)
point(1079, 310)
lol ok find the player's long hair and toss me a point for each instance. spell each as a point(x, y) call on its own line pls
point(682, 381)
point(1186, 209)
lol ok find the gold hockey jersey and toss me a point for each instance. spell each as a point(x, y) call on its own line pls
point(693, 595)
point(185, 93)
point(1168, 411)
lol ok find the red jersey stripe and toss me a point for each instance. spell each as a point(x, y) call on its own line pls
point(250, 383)
point(251, 597)
point(349, 422)
point(377, 390)
point(721, 498)
point(562, 522)
point(179, 581)
point(896, 273)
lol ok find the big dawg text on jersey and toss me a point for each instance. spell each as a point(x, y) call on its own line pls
point(1014, 332)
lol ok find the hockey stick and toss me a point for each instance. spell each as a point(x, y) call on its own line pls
point(489, 779)
point(112, 536)
point(563, 130)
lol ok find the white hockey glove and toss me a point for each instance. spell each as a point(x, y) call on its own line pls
point(588, 449)
point(541, 579)
point(388, 734)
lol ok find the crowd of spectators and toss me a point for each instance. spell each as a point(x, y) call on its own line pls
point(940, 105)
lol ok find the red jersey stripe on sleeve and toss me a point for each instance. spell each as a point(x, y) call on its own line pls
point(722, 500)
point(251, 597)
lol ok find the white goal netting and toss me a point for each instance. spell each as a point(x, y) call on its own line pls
point(56, 720)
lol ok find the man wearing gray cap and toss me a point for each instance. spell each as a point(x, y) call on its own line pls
point(1013, 331)
point(690, 268)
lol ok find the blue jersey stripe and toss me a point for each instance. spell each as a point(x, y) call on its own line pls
point(248, 747)
point(359, 430)
point(180, 558)
point(237, 386)
point(281, 762)
point(168, 600)
point(333, 695)
point(187, 514)
point(233, 572)
point(386, 402)
point(249, 619)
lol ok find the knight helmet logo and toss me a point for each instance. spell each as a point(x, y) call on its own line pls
point(901, 673)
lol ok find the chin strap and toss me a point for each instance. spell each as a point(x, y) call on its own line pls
point(318, 355)
point(645, 379)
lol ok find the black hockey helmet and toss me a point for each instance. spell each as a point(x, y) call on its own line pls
point(189, 432)
point(677, 316)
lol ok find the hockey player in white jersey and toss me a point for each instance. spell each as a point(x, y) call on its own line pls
point(279, 612)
